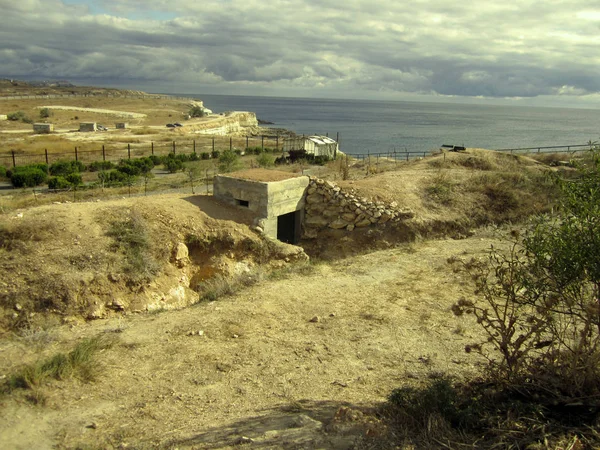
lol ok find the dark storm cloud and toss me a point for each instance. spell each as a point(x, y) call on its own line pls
point(490, 49)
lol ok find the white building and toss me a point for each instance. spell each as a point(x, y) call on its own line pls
point(314, 145)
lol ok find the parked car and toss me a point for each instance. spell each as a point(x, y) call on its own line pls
point(101, 128)
point(177, 124)
point(170, 125)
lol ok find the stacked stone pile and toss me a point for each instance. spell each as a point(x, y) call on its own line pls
point(328, 206)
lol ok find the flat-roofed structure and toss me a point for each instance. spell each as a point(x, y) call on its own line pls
point(88, 126)
point(43, 128)
point(275, 198)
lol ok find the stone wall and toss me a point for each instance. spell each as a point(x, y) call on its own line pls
point(328, 206)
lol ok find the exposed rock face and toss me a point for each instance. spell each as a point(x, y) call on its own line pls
point(231, 123)
point(328, 206)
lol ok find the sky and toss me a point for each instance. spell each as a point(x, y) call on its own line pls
point(540, 53)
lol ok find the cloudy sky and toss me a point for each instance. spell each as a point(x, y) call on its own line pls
point(519, 51)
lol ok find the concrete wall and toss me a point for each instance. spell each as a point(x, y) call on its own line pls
point(88, 126)
point(266, 200)
point(42, 128)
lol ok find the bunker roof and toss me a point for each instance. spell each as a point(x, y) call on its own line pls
point(263, 175)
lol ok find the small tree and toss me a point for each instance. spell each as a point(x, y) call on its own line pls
point(196, 111)
point(45, 113)
point(228, 161)
point(265, 160)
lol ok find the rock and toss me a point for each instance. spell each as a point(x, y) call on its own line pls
point(314, 198)
point(18, 307)
point(350, 227)
point(311, 190)
point(316, 221)
point(363, 223)
point(338, 224)
point(310, 233)
point(181, 252)
point(315, 319)
point(243, 440)
point(329, 184)
point(348, 217)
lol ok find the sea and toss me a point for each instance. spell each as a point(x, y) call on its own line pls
point(365, 126)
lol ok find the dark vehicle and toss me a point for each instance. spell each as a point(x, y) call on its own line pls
point(177, 124)
point(170, 125)
point(101, 128)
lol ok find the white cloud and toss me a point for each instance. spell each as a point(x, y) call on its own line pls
point(444, 47)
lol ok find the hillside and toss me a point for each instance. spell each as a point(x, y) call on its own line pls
point(280, 351)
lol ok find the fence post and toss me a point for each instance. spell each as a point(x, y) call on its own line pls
point(213, 144)
point(152, 147)
point(46, 152)
point(103, 154)
point(128, 151)
point(76, 158)
point(262, 141)
point(173, 147)
point(194, 141)
point(13, 158)
point(246, 142)
point(230, 143)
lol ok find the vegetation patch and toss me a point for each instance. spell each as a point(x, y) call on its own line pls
point(131, 239)
point(80, 363)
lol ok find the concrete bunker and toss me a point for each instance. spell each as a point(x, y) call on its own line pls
point(274, 198)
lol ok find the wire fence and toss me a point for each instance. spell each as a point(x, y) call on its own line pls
point(117, 152)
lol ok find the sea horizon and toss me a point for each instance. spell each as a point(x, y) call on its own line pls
point(380, 126)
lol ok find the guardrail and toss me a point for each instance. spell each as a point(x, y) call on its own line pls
point(554, 148)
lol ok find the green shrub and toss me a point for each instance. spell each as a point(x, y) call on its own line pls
point(173, 164)
point(538, 301)
point(74, 179)
point(265, 160)
point(215, 154)
point(2, 172)
point(19, 115)
point(97, 166)
point(45, 113)
point(28, 176)
point(321, 160)
point(194, 157)
point(156, 160)
point(205, 155)
point(113, 177)
point(58, 183)
point(228, 161)
point(135, 167)
point(64, 168)
point(196, 111)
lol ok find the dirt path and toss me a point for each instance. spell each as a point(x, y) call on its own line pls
point(98, 110)
point(273, 363)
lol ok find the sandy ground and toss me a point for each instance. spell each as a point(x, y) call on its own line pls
point(274, 363)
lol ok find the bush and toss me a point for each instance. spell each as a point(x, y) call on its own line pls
point(204, 155)
point(113, 177)
point(74, 179)
point(193, 157)
point(215, 154)
point(136, 167)
point(156, 160)
point(58, 183)
point(64, 168)
point(173, 164)
point(28, 176)
point(98, 166)
point(228, 160)
point(265, 160)
point(539, 302)
point(321, 160)
point(196, 111)
point(45, 113)
point(19, 115)
point(2, 172)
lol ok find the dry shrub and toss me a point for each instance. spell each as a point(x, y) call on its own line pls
point(440, 188)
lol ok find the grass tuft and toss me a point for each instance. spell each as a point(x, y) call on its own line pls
point(79, 363)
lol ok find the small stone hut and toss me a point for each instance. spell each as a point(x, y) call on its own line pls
point(313, 145)
point(43, 128)
point(275, 198)
point(88, 126)
point(121, 125)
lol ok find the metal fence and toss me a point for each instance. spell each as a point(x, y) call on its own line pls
point(549, 149)
point(116, 152)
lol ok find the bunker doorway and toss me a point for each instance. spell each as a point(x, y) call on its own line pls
point(288, 227)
